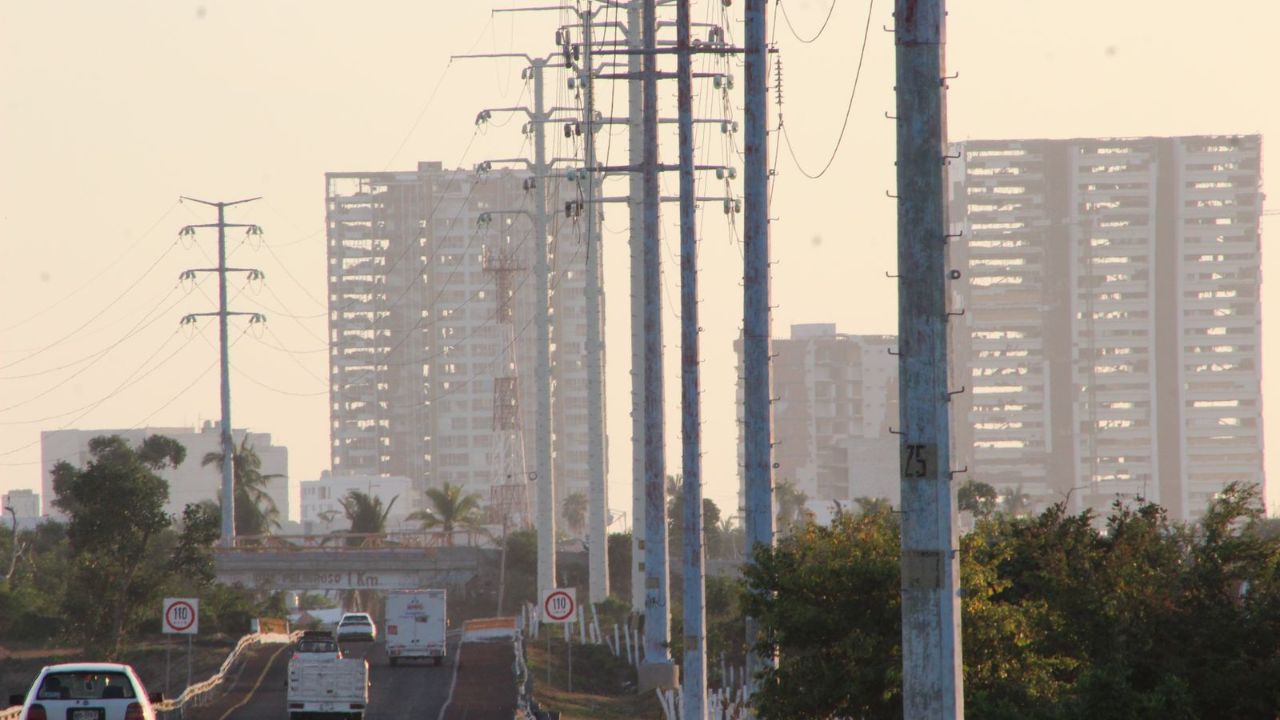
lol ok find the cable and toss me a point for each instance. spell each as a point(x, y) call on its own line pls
point(847, 111)
point(792, 28)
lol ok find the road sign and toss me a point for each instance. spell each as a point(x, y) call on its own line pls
point(181, 616)
point(559, 606)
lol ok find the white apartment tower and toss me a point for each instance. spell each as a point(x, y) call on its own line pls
point(431, 329)
point(1110, 342)
point(836, 400)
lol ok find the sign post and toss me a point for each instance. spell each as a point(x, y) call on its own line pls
point(560, 605)
point(181, 617)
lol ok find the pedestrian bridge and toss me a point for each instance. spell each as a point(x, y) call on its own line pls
point(347, 561)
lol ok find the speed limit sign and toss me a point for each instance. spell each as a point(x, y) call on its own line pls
point(559, 606)
point(181, 616)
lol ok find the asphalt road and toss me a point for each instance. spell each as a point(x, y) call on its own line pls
point(411, 691)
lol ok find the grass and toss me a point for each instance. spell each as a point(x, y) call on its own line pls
point(604, 687)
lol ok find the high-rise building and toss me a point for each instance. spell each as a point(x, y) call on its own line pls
point(431, 330)
point(1110, 341)
point(190, 482)
point(836, 399)
point(24, 503)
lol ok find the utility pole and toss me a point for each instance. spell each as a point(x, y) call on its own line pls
point(694, 695)
point(635, 244)
point(598, 491)
point(228, 445)
point(657, 669)
point(756, 387)
point(932, 685)
point(544, 474)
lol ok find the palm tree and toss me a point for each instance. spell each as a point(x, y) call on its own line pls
point(256, 511)
point(365, 513)
point(452, 510)
point(791, 506)
point(574, 509)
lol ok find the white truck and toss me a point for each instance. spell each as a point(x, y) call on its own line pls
point(327, 688)
point(416, 625)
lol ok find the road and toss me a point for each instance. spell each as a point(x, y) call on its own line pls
point(412, 691)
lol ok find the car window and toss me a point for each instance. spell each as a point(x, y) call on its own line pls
point(85, 686)
point(317, 646)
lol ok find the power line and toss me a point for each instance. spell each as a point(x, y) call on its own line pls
point(786, 137)
point(792, 28)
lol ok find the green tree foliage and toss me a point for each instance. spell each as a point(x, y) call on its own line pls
point(574, 511)
point(256, 511)
point(1064, 616)
point(620, 566)
point(116, 514)
point(978, 498)
point(193, 553)
point(365, 513)
point(792, 510)
point(451, 509)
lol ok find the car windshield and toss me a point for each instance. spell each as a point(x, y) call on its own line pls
point(356, 621)
point(85, 686)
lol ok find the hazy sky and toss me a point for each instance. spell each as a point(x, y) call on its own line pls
point(110, 111)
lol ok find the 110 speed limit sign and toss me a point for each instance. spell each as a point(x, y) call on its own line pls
point(182, 616)
point(559, 606)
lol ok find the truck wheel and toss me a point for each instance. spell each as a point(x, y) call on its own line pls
point(438, 659)
point(395, 661)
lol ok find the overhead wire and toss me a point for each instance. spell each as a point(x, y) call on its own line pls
point(862, 54)
point(782, 8)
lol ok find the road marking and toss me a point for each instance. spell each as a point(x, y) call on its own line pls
point(457, 663)
point(261, 676)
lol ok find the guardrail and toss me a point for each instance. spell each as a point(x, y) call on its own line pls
point(199, 693)
point(344, 542)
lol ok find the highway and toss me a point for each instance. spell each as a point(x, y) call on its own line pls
point(412, 691)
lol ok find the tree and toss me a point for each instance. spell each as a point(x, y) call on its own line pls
point(451, 509)
point(792, 507)
point(574, 509)
point(977, 497)
point(256, 510)
point(365, 513)
point(193, 554)
point(115, 509)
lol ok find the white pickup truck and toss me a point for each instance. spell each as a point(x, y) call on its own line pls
point(416, 625)
point(327, 688)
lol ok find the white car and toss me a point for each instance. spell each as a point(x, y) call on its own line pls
point(87, 691)
point(355, 626)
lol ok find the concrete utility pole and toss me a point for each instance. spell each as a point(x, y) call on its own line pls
point(539, 116)
point(635, 244)
point(228, 444)
point(932, 686)
point(598, 491)
point(756, 387)
point(694, 694)
point(657, 669)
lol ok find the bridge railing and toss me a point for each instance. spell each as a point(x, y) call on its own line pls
point(346, 542)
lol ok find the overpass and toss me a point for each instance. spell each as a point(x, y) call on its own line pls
point(347, 561)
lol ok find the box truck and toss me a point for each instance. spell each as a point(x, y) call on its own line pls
point(327, 687)
point(416, 625)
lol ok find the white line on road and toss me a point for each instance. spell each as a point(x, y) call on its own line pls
point(457, 663)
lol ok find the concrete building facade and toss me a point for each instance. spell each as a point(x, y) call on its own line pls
point(190, 482)
point(1110, 342)
point(836, 399)
point(431, 330)
point(321, 500)
point(24, 503)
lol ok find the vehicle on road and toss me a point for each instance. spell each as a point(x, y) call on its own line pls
point(326, 687)
point(416, 625)
point(356, 626)
point(87, 691)
point(317, 644)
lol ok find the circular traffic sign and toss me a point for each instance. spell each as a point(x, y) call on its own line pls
point(558, 606)
point(180, 616)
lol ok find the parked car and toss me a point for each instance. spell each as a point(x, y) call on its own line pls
point(356, 626)
point(316, 645)
point(87, 691)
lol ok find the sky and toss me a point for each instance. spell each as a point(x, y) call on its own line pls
point(111, 111)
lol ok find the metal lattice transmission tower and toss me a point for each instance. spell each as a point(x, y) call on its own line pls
point(509, 497)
